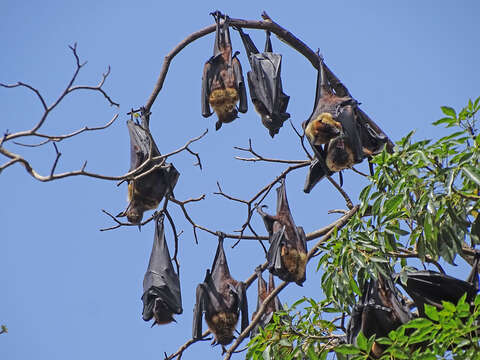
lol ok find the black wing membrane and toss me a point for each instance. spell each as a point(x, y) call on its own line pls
point(380, 310)
point(148, 191)
point(431, 287)
point(340, 133)
point(161, 284)
point(222, 299)
point(287, 255)
point(265, 84)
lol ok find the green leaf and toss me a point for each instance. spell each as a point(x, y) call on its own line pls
point(347, 349)
point(431, 312)
point(392, 204)
point(447, 110)
point(472, 173)
point(354, 286)
point(362, 341)
point(418, 323)
point(448, 306)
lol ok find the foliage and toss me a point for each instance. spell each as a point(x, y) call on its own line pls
point(422, 203)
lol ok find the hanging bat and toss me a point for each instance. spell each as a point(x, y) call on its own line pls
point(272, 306)
point(222, 299)
point(265, 84)
point(222, 82)
point(161, 285)
point(148, 191)
point(431, 287)
point(339, 133)
point(380, 310)
point(287, 255)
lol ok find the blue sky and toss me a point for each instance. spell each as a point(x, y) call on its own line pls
point(69, 291)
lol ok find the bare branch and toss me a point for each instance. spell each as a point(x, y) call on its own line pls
point(58, 138)
point(341, 222)
point(302, 138)
point(258, 157)
point(342, 192)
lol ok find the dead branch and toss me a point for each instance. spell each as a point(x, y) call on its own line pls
point(341, 222)
point(258, 157)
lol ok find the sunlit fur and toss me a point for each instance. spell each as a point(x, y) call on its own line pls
point(223, 102)
point(294, 262)
point(339, 155)
point(138, 203)
point(223, 325)
point(322, 129)
point(377, 350)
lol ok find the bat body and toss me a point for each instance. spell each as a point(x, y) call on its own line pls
point(380, 310)
point(222, 299)
point(148, 191)
point(339, 133)
point(272, 306)
point(222, 82)
point(431, 287)
point(265, 84)
point(287, 255)
point(161, 285)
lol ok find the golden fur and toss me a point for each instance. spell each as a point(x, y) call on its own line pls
point(339, 155)
point(222, 324)
point(294, 262)
point(223, 102)
point(322, 129)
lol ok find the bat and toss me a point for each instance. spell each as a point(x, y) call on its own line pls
point(339, 133)
point(148, 191)
point(431, 287)
point(265, 84)
point(287, 255)
point(272, 306)
point(222, 299)
point(161, 285)
point(222, 82)
point(380, 310)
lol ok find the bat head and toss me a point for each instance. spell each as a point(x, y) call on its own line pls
point(339, 154)
point(135, 212)
point(155, 307)
point(322, 129)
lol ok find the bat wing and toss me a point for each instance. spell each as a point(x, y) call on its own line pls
point(243, 304)
point(372, 137)
point(201, 296)
point(317, 171)
point(240, 83)
point(220, 271)
point(274, 254)
point(139, 144)
point(379, 311)
point(161, 283)
point(430, 287)
point(350, 126)
point(206, 85)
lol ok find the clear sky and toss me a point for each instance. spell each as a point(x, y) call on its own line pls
point(69, 291)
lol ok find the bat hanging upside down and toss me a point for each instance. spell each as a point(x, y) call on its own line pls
point(148, 191)
point(222, 299)
point(222, 82)
point(161, 285)
point(272, 306)
point(339, 133)
point(380, 310)
point(265, 84)
point(287, 255)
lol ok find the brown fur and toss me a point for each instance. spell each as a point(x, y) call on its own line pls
point(222, 324)
point(139, 203)
point(322, 129)
point(339, 155)
point(295, 262)
point(223, 102)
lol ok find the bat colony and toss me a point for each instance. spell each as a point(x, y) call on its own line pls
point(340, 135)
